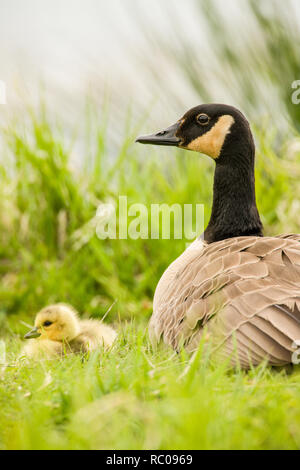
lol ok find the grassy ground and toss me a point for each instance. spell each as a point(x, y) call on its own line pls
point(131, 397)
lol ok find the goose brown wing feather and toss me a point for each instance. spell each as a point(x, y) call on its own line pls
point(290, 236)
point(248, 287)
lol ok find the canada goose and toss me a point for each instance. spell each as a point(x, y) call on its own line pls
point(59, 331)
point(238, 288)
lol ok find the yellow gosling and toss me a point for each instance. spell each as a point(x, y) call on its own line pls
point(58, 331)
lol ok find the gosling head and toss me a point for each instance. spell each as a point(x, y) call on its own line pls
point(57, 322)
point(220, 131)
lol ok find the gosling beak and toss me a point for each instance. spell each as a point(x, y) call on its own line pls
point(32, 334)
point(166, 137)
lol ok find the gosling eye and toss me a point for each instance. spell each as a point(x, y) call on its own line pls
point(203, 119)
point(47, 323)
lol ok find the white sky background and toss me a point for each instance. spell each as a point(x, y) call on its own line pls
point(72, 45)
point(63, 41)
point(77, 45)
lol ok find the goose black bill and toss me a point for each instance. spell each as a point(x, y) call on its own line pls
point(165, 137)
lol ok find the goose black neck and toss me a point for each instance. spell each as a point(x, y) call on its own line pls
point(234, 210)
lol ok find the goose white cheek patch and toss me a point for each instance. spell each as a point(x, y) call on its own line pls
point(212, 142)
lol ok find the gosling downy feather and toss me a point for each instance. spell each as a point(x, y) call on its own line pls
point(237, 288)
point(59, 331)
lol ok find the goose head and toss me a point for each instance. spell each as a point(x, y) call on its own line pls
point(220, 131)
point(57, 322)
point(223, 133)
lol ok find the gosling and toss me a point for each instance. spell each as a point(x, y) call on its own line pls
point(58, 331)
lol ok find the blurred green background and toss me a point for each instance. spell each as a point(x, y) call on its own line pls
point(66, 150)
point(83, 79)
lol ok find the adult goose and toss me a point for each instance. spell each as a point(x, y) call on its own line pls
point(237, 287)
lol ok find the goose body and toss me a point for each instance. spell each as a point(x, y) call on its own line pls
point(58, 331)
point(237, 288)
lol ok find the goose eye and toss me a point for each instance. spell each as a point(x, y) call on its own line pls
point(203, 119)
point(47, 323)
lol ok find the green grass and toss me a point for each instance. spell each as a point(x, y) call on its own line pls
point(131, 397)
